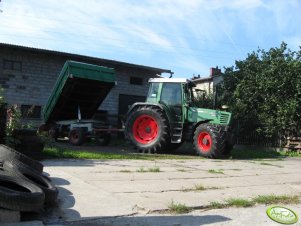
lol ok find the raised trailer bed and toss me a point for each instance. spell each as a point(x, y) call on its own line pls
point(76, 96)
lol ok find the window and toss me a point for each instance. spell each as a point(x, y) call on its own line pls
point(12, 65)
point(136, 81)
point(153, 90)
point(31, 111)
point(171, 94)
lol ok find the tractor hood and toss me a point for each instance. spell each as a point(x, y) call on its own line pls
point(203, 114)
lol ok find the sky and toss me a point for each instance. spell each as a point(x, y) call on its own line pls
point(185, 36)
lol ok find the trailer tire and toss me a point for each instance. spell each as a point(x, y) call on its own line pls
point(209, 141)
point(19, 194)
point(146, 128)
point(20, 170)
point(7, 153)
point(77, 136)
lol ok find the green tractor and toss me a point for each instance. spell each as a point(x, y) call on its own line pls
point(169, 117)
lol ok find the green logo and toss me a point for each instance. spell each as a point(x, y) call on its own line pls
point(282, 215)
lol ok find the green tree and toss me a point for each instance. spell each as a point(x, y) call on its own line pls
point(264, 90)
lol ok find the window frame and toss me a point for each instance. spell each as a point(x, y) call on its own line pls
point(134, 80)
point(13, 65)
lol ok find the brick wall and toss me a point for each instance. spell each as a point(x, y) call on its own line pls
point(33, 84)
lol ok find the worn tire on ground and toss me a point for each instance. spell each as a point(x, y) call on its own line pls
point(20, 170)
point(7, 153)
point(146, 128)
point(19, 194)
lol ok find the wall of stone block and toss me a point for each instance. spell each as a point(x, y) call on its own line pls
point(34, 83)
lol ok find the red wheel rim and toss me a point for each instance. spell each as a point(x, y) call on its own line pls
point(145, 129)
point(204, 141)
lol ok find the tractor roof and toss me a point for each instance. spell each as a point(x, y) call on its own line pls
point(173, 80)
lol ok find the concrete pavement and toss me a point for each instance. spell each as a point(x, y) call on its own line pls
point(114, 191)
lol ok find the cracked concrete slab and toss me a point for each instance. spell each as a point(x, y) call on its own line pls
point(96, 189)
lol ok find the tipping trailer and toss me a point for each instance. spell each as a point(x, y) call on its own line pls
point(76, 96)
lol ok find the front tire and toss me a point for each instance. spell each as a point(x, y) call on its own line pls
point(146, 128)
point(209, 141)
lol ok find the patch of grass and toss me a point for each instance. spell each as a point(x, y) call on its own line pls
point(261, 199)
point(270, 164)
point(54, 152)
point(141, 170)
point(239, 203)
point(178, 208)
point(236, 169)
point(277, 199)
point(220, 171)
point(199, 187)
point(125, 171)
point(155, 169)
point(261, 154)
point(217, 205)
point(181, 170)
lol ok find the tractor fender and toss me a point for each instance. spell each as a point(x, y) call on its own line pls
point(135, 105)
point(160, 106)
point(194, 126)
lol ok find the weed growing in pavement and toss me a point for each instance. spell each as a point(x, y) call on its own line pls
point(155, 169)
point(261, 199)
point(239, 202)
point(125, 171)
point(199, 187)
point(269, 164)
point(181, 170)
point(220, 171)
point(178, 208)
point(277, 199)
point(217, 205)
point(141, 170)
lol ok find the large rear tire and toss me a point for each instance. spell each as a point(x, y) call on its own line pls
point(209, 141)
point(147, 129)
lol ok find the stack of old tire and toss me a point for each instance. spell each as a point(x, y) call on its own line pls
point(23, 185)
point(28, 143)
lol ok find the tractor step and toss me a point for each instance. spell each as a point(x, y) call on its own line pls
point(176, 132)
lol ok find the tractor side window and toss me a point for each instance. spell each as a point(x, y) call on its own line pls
point(153, 90)
point(171, 94)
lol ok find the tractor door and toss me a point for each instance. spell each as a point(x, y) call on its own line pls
point(171, 96)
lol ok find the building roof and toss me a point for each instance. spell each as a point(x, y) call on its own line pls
point(58, 53)
point(203, 79)
point(171, 80)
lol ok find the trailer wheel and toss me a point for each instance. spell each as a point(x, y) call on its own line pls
point(77, 136)
point(208, 141)
point(147, 129)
